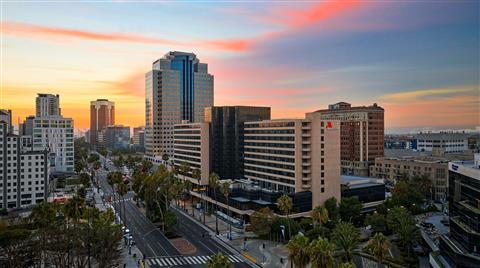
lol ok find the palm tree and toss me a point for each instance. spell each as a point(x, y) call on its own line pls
point(285, 205)
point(213, 183)
point(226, 192)
point(187, 187)
point(346, 265)
point(319, 215)
point(196, 174)
point(299, 251)
point(378, 247)
point(122, 190)
point(113, 178)
point(321, 253)
point(346, 237)
point(165, 158)
point(219, 260)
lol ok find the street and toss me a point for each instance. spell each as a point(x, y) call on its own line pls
point(157, 249)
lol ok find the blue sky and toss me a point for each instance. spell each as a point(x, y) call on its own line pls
point(419, 60)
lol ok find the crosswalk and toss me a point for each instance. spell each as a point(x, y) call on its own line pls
point(184, 260)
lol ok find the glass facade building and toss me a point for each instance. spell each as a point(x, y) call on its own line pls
point(177, 88)
point(461, 248)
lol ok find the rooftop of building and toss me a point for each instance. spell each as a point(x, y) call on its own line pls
point(418, 159)
point(47, 95)
point(344, 106)
point(414, 154)
point(359, 182)
point(443, 135)
point(467, 168)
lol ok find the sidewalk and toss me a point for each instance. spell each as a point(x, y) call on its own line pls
point(131, 258)
point(270, 257)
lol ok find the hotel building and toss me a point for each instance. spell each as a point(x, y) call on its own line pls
point(362, 135)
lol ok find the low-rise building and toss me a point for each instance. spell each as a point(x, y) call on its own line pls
point(442, 142)
point(117, 137)
point(370, 191)
point(394, 169)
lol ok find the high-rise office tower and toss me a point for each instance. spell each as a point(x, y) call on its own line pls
point(226, 123)
point(362, 130)
point(102, 115)
point(177, 88)
point(47, 105)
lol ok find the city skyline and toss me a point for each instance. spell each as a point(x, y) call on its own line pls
point(413, 59)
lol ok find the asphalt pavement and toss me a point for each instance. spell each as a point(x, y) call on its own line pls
point(157, 249)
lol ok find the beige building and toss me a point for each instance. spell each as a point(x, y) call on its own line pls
point(192, 145)
point(294, 155)
point(394, 169)
point(362, 130)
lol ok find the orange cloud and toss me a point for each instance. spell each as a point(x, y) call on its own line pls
point(29, 30)
point(46, 32)
point(438, 107)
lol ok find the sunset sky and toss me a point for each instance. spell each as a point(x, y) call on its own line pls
point(418, 60)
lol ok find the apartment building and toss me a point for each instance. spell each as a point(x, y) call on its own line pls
point(50, 131)
point(23, 174)
point(362, 135)
point(47, 105)
point(394, 169)
point(192, 146)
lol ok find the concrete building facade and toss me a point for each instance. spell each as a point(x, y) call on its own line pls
point(362, 135)
point(47, 105)
point(24, 175)
point(55, 134)
point(294, 155)
point(394, 169)
point(192, 146)
point(442, 142)
point(177, 88)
